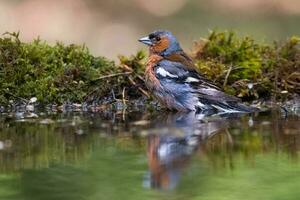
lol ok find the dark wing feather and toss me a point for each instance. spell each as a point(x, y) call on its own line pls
point(182, 65)
point(180, 74)
point(214, 94)
point(182, 58)
point(208, 93)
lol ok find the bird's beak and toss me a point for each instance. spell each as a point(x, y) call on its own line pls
point(145, 40)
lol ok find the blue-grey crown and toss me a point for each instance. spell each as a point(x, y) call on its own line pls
point(174, 44)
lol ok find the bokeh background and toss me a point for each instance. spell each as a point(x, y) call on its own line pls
point(112, 27)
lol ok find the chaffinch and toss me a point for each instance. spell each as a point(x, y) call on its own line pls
point(171, 77)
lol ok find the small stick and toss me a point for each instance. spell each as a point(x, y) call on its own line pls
point(227, 75)
point(144, 92)
point(139, 88)
point(126, 67)
point(113, 75)
point(123, 97)
point(113, 94)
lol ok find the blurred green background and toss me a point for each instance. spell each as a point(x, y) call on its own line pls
point(110, 28)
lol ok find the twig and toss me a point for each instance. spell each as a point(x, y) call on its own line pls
point(126, 67)
point(123, 97)
point(113, 94)
point(124, 104)
point(139, 88)
point(227, 75)
point(275, 83)
point(141, 78)
point(144, 92)
point(113, 75)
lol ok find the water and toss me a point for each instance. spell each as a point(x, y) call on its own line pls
point(140, 155)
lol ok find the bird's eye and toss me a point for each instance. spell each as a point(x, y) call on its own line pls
point(157, 38)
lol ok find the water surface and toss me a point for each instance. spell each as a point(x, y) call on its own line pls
point(141, 155)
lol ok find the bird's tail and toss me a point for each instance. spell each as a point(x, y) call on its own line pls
point(228, 106)
point(231, 107)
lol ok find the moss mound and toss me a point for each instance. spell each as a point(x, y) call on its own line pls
point(55, 74)
point(250, 70)
point(69, 73)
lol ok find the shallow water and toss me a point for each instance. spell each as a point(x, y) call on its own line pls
point(140, 155)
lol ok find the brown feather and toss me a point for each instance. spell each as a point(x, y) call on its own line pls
point(183, 58)
point(151, 81)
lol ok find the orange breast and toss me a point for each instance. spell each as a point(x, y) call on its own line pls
point(151, 81)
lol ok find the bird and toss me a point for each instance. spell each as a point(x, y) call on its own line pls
point(172, 78)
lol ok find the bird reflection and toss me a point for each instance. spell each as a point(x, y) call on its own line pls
point(171, 146)
point(166, 157)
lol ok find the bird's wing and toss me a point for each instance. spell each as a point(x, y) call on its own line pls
point(178, 72)
point(182, 58)
point(186, 81)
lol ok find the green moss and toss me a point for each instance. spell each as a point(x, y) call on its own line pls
point(53, 74)
point(237, 64)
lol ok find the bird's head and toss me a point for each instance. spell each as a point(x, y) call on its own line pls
point(162, 43)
